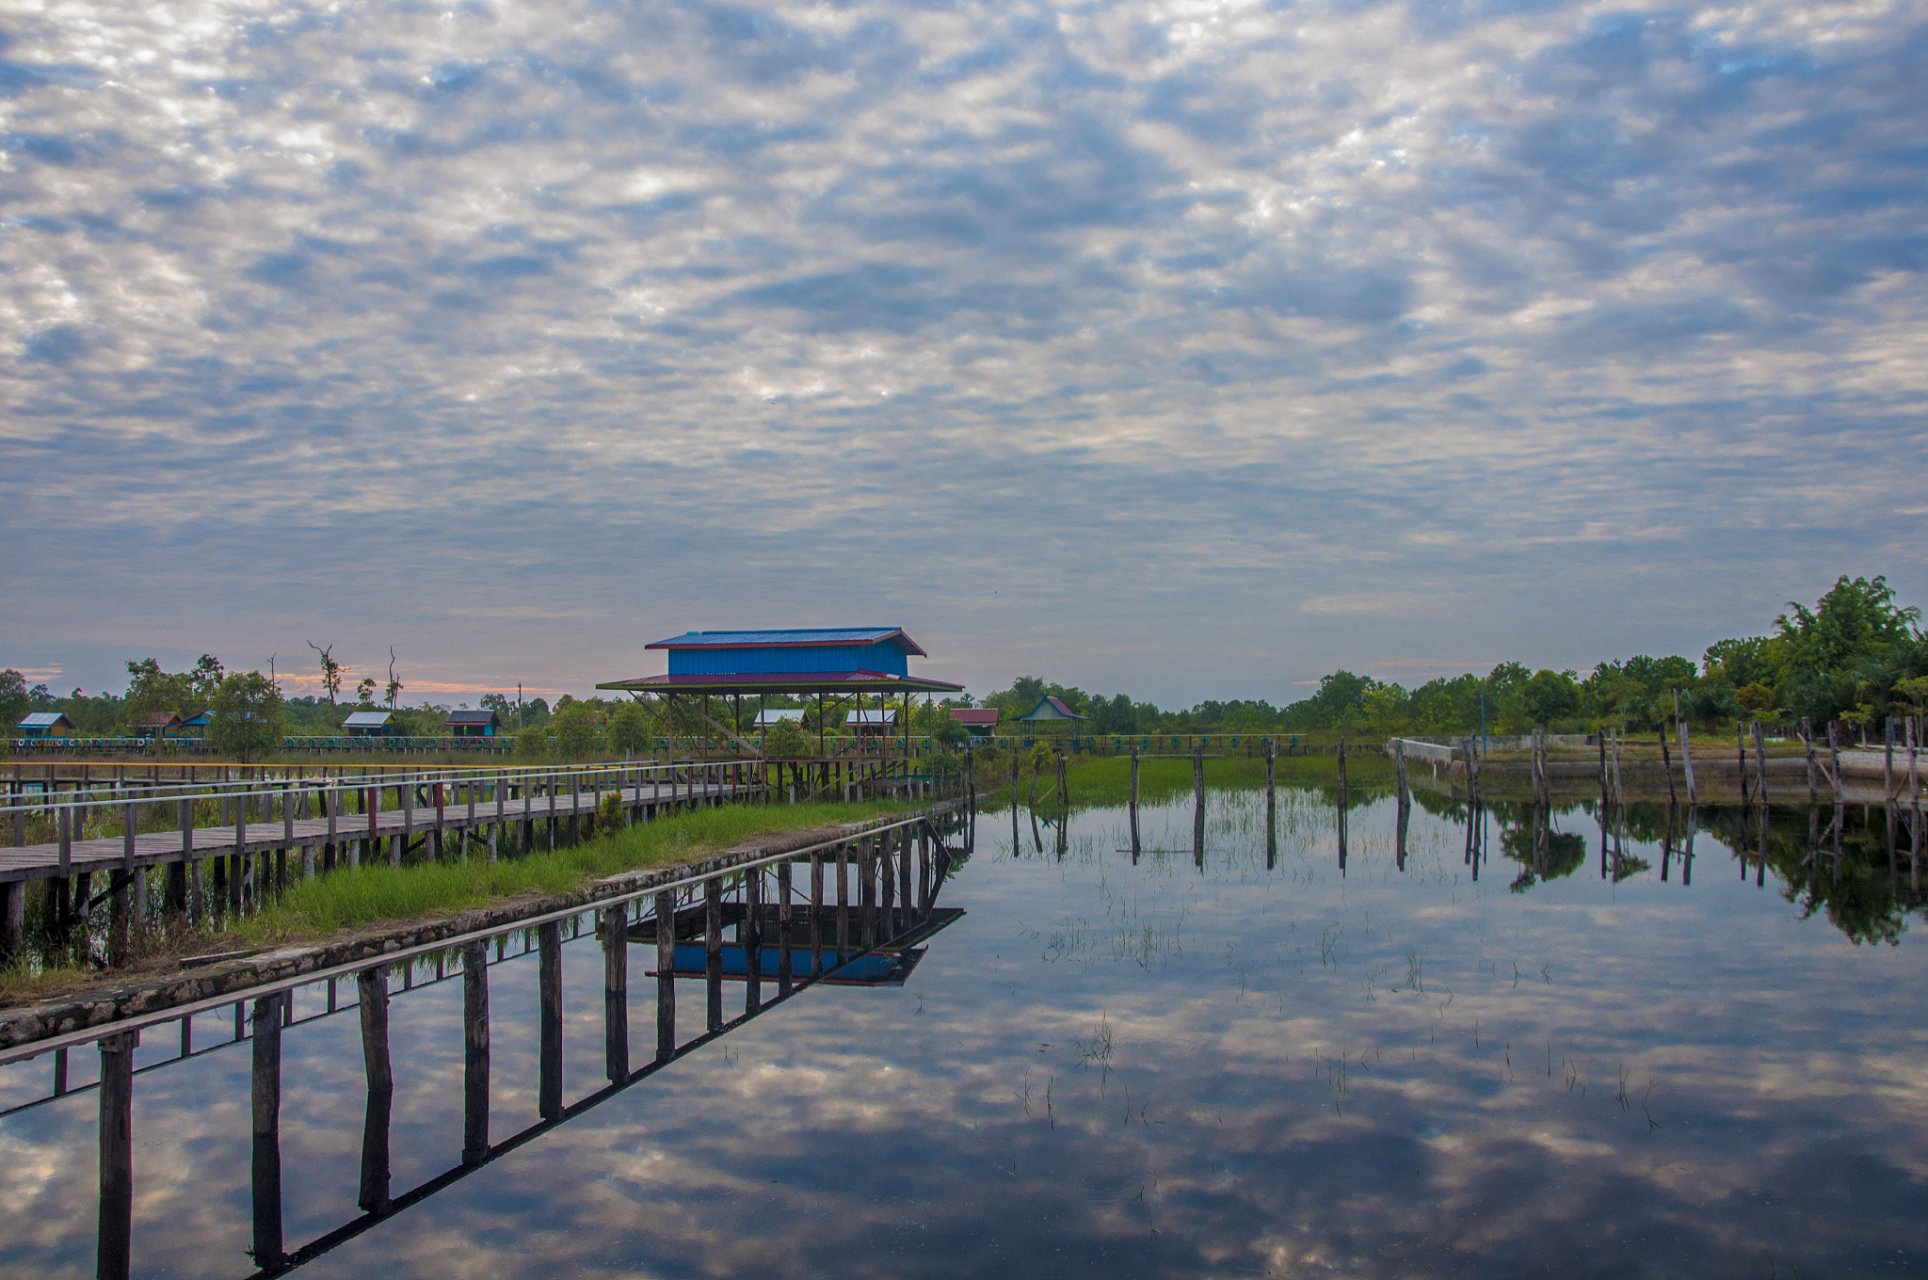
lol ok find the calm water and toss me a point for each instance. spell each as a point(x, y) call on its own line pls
point(1572, 1068)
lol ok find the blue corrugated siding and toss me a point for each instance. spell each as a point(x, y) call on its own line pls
point(887, 658)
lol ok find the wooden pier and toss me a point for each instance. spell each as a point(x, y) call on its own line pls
point(867, 895)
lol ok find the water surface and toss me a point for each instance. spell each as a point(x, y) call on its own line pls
point(1180, 1064)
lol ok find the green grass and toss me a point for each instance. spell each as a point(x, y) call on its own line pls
point(373, 894)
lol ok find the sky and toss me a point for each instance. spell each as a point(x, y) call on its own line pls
point(1190, 349)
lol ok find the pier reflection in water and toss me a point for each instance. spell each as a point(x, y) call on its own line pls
point(1216, 1054)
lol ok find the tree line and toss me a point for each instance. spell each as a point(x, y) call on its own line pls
point(1857, 656)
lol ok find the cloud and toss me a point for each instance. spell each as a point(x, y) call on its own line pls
point(591, 322)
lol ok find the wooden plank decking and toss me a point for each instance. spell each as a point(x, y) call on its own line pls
point(42, 861)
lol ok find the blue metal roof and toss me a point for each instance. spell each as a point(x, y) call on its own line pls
point(42, 720)
point(798, 638)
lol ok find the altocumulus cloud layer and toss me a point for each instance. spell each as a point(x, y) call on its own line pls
point(1092, 340)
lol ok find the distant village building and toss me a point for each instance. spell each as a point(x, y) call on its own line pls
point(46, 724)
point(196, 725)
point(157, 724)
point(1050, 711)
point(771, 719)
point(870, 723)
point(981, 721)
point(464, 723)
point(371, 724)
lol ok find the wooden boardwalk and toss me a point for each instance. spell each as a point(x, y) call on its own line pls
point(43, 861)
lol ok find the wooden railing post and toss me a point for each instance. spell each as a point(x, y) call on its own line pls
point(475, 1052)
point(549, 968)
point(616, 991)
point(266, 1094)
point(665, 976)
point(114, 1246)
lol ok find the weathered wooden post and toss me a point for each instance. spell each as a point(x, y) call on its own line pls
point(816, 914)
point(118, 921)
point(1687, 767)
point(240, 866)
point(750, 933)
point(665, 975)
point(1888, 767)
point(843, 896)
point(1667, 767)
point(501, 812)
point(904, 906)
point(867, 892)
point(1403, 812)
point(785, 973)
point(266, 1096)
point(923, 870)
point(1198, 772)
point(549, 969)
point(372, 991)
point(114, 1244)
point(1271, 805)
point(405, 801)
point(616, 991)
point(63, 887)
point(1342, 806)
point(713, 949)
point(1740, 744)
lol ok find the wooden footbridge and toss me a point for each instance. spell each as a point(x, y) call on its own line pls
point(855, 910)
point(225, 841)
point(255, 833)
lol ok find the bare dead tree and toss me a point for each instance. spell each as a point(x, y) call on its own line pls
point(331, 671)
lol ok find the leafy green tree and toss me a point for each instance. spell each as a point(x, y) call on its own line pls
point(577, 730)
point(14, 701)
point(247, 716)
point(629, 728)
point(1755, 699)
point(784, 739)
point(1550, 696)
point(151, 689)
point(1744, 661)
point(1856, 618)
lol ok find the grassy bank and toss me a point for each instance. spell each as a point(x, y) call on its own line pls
point(311, 910)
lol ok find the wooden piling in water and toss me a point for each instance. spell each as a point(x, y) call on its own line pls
point(750, 934)
point(616, 991)
point(665, 975)
point(713, 949)
point(1271, 803)
point(1198, 773)
point(113, 1250)
point(786, 976)
point(1740, 743)
point(843, 895)
point(266, 1098)
point(905, 908)
point(1687, 768)
point(549, 980)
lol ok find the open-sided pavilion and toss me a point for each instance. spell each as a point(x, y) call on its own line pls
point(841, 667)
